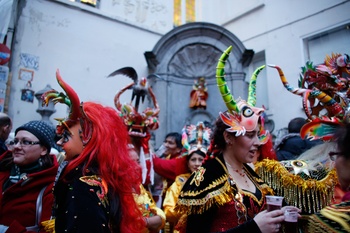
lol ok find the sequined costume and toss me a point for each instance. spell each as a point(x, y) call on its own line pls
point(171, 197)
point(148, 207)
point(83, 198)
point(211, 187)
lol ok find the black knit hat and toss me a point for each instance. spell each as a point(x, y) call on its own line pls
point(42, 130)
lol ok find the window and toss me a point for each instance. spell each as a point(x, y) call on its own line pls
point(336, 40)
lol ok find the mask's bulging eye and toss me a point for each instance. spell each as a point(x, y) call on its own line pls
point(247, 111)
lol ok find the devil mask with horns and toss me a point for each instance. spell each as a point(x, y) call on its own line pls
point(76, 113)
point(242, 115)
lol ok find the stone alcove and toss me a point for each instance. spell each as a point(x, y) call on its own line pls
point(182, 56)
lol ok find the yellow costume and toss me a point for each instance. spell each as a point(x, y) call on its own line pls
point(148, 207)
point(170, 200)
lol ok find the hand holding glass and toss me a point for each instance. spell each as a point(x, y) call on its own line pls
point(274, 202)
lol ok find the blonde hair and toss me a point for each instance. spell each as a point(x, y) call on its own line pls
point(319, 154)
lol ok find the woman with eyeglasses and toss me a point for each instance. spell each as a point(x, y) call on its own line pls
point(336, 218)
point(27, 174)
point(94, 191)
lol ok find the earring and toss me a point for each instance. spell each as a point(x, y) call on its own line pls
point(40, 162)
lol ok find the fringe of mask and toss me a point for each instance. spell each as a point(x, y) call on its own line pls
point(308, 195)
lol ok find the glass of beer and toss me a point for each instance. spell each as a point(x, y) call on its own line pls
point(274, 202)
point(290, 224)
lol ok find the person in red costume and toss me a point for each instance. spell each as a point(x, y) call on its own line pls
point(167, 164)
point(27, 174)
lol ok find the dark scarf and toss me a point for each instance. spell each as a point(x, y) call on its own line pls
point(17, 173)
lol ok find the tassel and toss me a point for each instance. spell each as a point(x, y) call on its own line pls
point(49, 225)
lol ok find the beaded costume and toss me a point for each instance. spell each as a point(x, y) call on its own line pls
point(195, 138)
point(325, 96)
point(210, 197)
point(216, 204)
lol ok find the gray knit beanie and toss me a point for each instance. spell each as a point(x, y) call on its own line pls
point(42, 130)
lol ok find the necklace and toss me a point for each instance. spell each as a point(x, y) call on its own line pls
point(240, 173)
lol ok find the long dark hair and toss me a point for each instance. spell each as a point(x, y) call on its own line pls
point(199, 152)
point(217, 140)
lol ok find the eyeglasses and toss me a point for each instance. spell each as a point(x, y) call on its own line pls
point(23, 143)
point(333, 155)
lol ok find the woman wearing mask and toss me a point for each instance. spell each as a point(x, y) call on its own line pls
point(225, 194)
point(94, 191)
point(195, 140)
point(27, 175)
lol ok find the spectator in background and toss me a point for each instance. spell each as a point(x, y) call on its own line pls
point(27, 175)
point(335, 218)
point(292, 145)
point(5, 129)
point(165, 166)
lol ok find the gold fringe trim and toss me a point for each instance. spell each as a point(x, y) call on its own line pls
point(308, 195)
point(198, 206)
point(49, 225)
point(222, 179)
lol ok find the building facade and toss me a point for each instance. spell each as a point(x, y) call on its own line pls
point(86, 43)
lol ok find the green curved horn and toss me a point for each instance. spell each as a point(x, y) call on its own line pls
point(221, 82)
point(252, 86)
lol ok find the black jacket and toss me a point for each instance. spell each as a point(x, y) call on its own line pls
point(292, 145)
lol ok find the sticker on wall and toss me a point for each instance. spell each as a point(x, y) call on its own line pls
point(5, 54)
point(4, 74)
point(27, 94)
point(26, 75)
point(2, 96)
point(29, 61)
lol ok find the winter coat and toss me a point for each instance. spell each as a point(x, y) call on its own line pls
point(292, 145)
point(18, 202)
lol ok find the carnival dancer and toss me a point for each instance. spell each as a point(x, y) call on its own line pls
point(94, 191)
point(168, 163)
point(154, 216)
point(139, 124)
point(225, 194)
point(325, 92)
point(195, 140)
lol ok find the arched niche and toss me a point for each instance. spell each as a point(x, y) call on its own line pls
point(182, 56)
